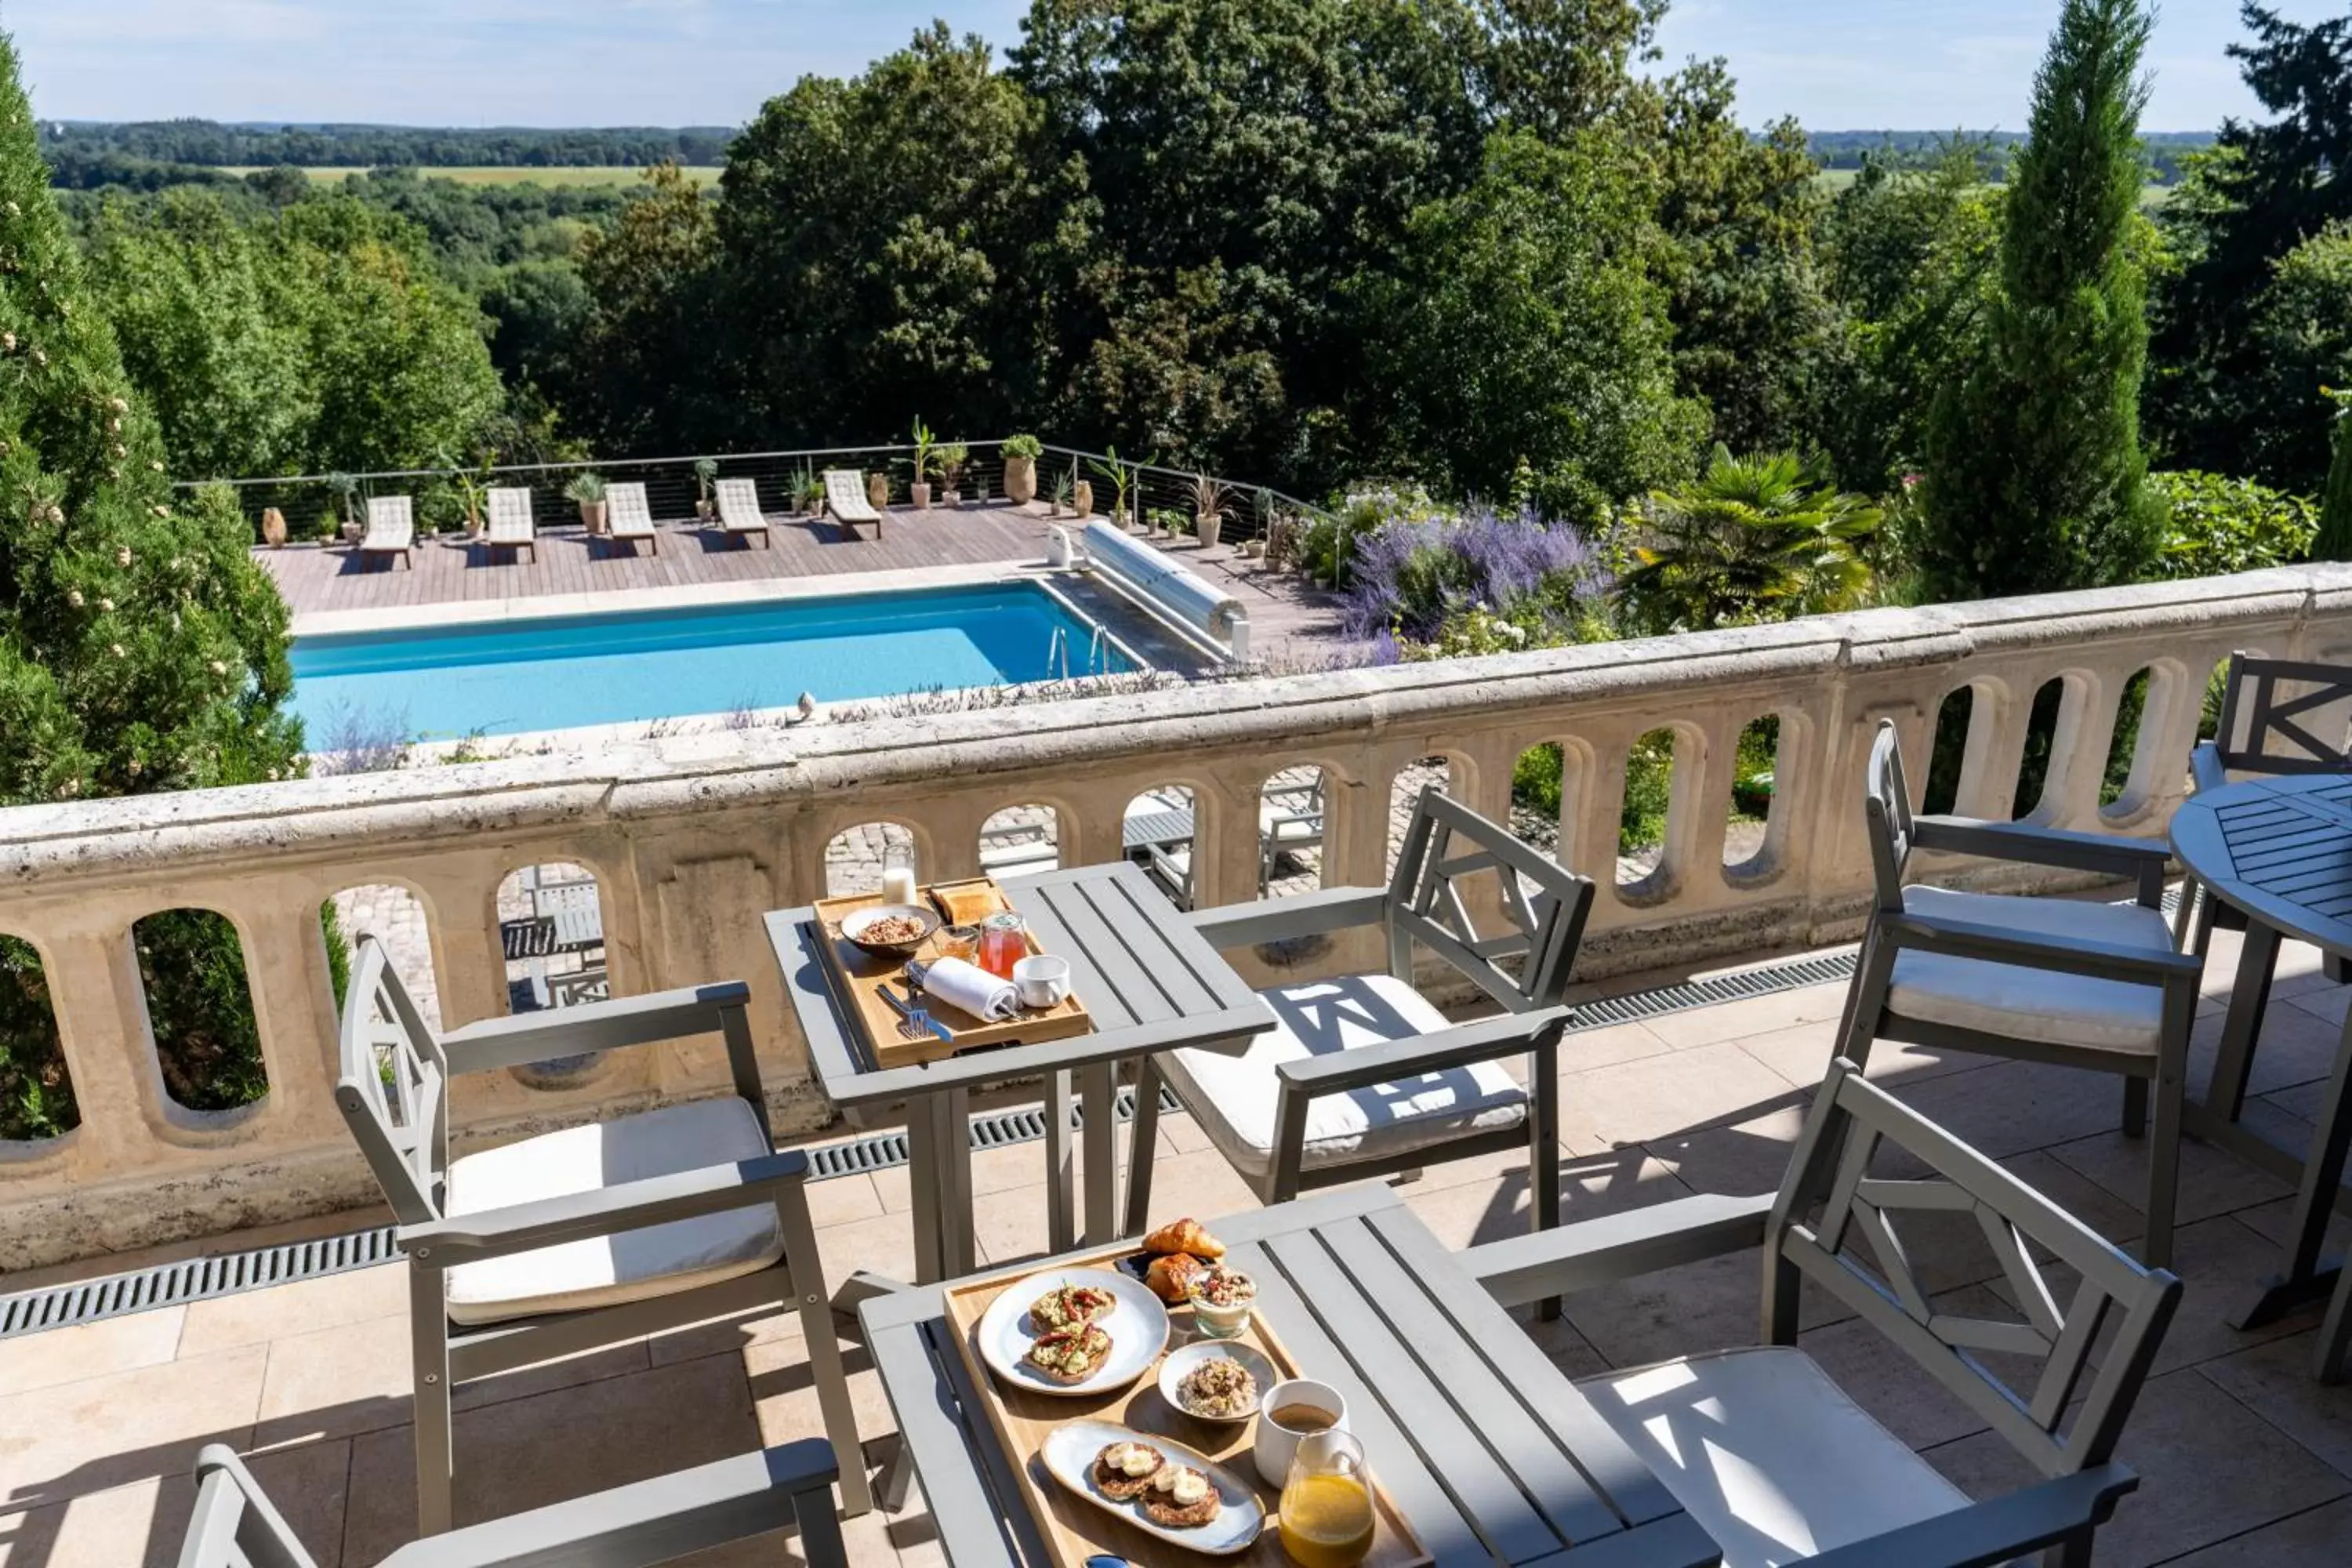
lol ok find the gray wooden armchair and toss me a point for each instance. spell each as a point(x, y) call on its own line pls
point(2093, 986)
point(1362, 1076)
point(1768, 1455)
point(585, 1236)
point(237, 1526)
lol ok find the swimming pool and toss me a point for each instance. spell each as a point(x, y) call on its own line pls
point(514, 676)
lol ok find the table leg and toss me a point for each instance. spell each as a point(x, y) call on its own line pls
point(958, 1249)
point(1061, 1231)
point(1142, 1148)
point(923, 1189)
point(2315, 1202)
point(2250, 995)
point(1097, 1096)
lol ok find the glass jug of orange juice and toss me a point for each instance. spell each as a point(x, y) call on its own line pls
point(1326, 1519)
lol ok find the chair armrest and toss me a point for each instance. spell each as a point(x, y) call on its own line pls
point(218, 1531)
point(652, 1521)
point(2021, 841)
point(1986, 1533)
point(625, 1205)
point(1536, 1267)
point(2034, 950)
point(1482, 1040)
point(2206, 768)
point(626, 1021)
point(1307, 914)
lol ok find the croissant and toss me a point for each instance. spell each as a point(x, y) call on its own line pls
point(1186, 1234)
point(1171, 1277)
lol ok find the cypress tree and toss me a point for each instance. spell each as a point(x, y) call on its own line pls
point(2334, 540)
point(140, 649)
point(2035, 477)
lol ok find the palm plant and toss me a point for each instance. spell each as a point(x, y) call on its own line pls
point(1761, 537)
point(706, 471)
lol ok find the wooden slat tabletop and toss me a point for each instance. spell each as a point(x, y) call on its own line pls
point(1494, 1456)
point(2280, 848)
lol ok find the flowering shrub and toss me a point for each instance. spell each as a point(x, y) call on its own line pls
point(1420, 577)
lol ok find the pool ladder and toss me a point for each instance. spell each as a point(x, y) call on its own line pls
point(1057, 650)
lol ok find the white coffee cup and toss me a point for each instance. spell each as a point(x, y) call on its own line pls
point(1277, 1445)
point(1041, 979)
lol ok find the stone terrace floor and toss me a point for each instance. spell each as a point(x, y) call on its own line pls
point(1283, 614)
point(2245, 1460)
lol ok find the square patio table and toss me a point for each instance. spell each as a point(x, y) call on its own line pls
point(1151, 983)
point(1491, 1453)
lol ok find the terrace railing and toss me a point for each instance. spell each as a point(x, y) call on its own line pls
point(692, 837)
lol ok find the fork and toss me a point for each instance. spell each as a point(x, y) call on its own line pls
point(919, 1017)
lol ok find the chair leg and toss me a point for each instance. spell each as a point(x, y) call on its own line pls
point(1865, 1001)
point(2134, 1107)
point(1543, 1163)
point(805, 1278)
point(2336, 1334)
point(428, 1344)
point(2164, 1159)
point(2074, 1553)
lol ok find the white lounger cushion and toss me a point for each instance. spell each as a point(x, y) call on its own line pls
point(1232, 1098)
point(2024, 1003)
point(1767, 1455)
point(634, 1264)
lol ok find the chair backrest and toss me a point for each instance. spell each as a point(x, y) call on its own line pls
point(1886, 815)
point(626, 507)
point(392, 1087)
point(509, 510)
point(389, 513)
point(738, 503)
point(1851, 1119)
point(2266, 730)
point(234, 1524)
point(845, 492)
point(1446, 841)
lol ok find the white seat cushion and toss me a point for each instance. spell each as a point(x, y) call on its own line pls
point(632, 1265)
point(2040, 1004)
point(1233, 1098)
point(1768, 1455)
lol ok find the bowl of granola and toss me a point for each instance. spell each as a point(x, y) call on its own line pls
point(889, 930)
point(1216, 1380)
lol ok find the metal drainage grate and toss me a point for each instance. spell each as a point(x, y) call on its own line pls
point(201, 1279)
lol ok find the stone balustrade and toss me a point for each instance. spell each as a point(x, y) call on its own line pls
point(693, 835)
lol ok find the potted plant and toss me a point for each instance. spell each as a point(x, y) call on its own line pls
point(1117, 472)
point(706, 470)
point(346, 491)
point(798, 491)
point(951, 464)
point(811, 493)
point(1082, 494)
point(471, 492)
point(1021, 454)
point(588, 489)
point(920, 491)
point(1062, 487)
point(878, 489)
point(1209, 500)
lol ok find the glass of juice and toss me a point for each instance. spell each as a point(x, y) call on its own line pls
point(1003, 943)
point(1327, 1507)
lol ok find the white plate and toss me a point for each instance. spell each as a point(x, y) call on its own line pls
point(1069, 1457)
point(1179, 1363)
point(1137, 1328)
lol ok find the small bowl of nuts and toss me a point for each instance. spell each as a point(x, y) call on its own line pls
point(889, 930)
point(1216, 1380)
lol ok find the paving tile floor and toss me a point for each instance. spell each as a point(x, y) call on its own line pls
point(2247, 1461)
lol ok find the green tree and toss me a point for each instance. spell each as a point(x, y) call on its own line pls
point(1753, 538)
point(649, 358)
point(140, 649)
point(2301, 334)
point(1525, 326)
point(2334, 542)
point(2035, 477)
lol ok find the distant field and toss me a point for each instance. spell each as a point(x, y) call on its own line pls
point(1838, 179)
point(485, 175)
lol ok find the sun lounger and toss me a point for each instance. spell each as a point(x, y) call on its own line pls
point(390, 529)
point(628, 515)
point(509, 522)
point(739, 510)
point(845, 496)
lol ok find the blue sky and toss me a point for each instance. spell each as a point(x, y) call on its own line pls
point(1837, 64)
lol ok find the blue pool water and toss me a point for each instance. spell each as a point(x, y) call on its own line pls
point(511, 677)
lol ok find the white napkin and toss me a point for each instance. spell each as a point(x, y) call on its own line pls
point(968, 986)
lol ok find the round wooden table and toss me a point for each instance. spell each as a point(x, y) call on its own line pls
point(2280, 851)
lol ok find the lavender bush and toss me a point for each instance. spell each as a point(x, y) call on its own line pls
point(1416, 572)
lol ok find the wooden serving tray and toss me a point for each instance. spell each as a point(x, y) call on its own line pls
point(1075, 1529)
point(858, 974)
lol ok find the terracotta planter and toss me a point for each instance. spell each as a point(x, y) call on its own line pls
point(1020, 480)
point(921, 494)
point(591, 516)
point(273, 527)
point(1210, 526)
point(1082, 499)
point(877, 490)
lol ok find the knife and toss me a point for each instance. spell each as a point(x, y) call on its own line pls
point(905, 1011)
